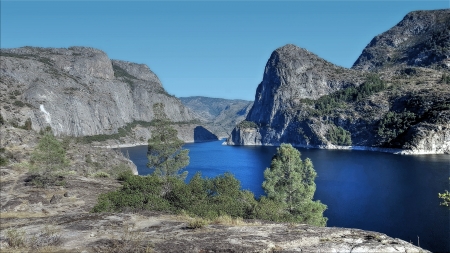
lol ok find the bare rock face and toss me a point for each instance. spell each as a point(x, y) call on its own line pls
point(79, 91)
point(303, 100)
point(422, 38)
point(292, 74)
point(138, 71)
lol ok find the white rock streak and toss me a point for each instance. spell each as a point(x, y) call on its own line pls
point(48, 119)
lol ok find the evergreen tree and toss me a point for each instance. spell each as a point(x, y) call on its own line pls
point(165, 153)
point(290, 182)
point(49, 155)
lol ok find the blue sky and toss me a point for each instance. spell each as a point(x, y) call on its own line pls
point(205, 48)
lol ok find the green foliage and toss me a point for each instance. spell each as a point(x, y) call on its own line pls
point(289, 196)
point(445, 198)
point(328, 103)
point(19, 103)
point(197, 223)
point(126, 77)
point(290, 182)
point(3, 159)
point(269, 209)
point(247, 124)
point(165, 154)
point(27, 125)
point(393, 124)
point(15, 238)
point(339, 136)
point(127, 130)
point(445, 79)
point(48, 159)
point(101, 174)
point(120, 72)
point(49, 154)
point(207, 198)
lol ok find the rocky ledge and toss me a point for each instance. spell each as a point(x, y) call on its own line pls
point(57, 219)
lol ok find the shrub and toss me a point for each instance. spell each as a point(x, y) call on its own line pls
point(445, 79)
point(27, 125)
point(197, 223)
point(3, 159)
point(19, 103)
point(48, 160)
point(101, 174)
point(339, 136)
point(228, 220)
point(218, 199)
point(329, 103)
point(45, 179)
point(445, 198)
point(247, 124)
point(394, 124)
point(15, 238)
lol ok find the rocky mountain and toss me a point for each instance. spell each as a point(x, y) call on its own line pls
point(306, 101)
point(79, 91)
point(421, 39)
point(220, 115)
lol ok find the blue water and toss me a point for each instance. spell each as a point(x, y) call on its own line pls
point(391, 194)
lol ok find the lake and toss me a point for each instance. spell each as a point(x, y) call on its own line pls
point(387, 193)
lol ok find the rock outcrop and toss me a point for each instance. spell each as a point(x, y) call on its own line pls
point(59, 219)
point(422, 39)
point(308, 102)
point(79, 91)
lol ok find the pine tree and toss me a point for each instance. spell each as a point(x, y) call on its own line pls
point(49, 156)
point(165, 153)
point(290, 182)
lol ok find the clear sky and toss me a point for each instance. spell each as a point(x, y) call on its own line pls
point(205, 48)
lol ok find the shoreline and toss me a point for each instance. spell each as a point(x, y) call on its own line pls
point(129, 145)
point(395, 151)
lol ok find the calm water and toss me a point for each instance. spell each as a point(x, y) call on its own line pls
point(391, 194)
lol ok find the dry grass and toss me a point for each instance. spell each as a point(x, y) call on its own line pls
point(228, 220)
point(22, 167)
point(198, 223)
point(47, 240)
point(21, 215)
point(129, 240)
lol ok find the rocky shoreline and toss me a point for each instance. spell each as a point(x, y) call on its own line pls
point(394, 151)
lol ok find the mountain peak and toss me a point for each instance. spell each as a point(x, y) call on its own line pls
point(421, 39)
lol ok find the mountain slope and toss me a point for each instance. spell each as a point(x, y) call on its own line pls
point(79, 91)
point(220, 115)
point(309, 102)
point(421, 39)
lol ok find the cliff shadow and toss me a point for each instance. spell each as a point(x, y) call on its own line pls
point(202, 134)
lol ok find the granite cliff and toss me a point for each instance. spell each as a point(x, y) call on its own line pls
point(79, 91)
point(421, 39)
point(401, 107)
